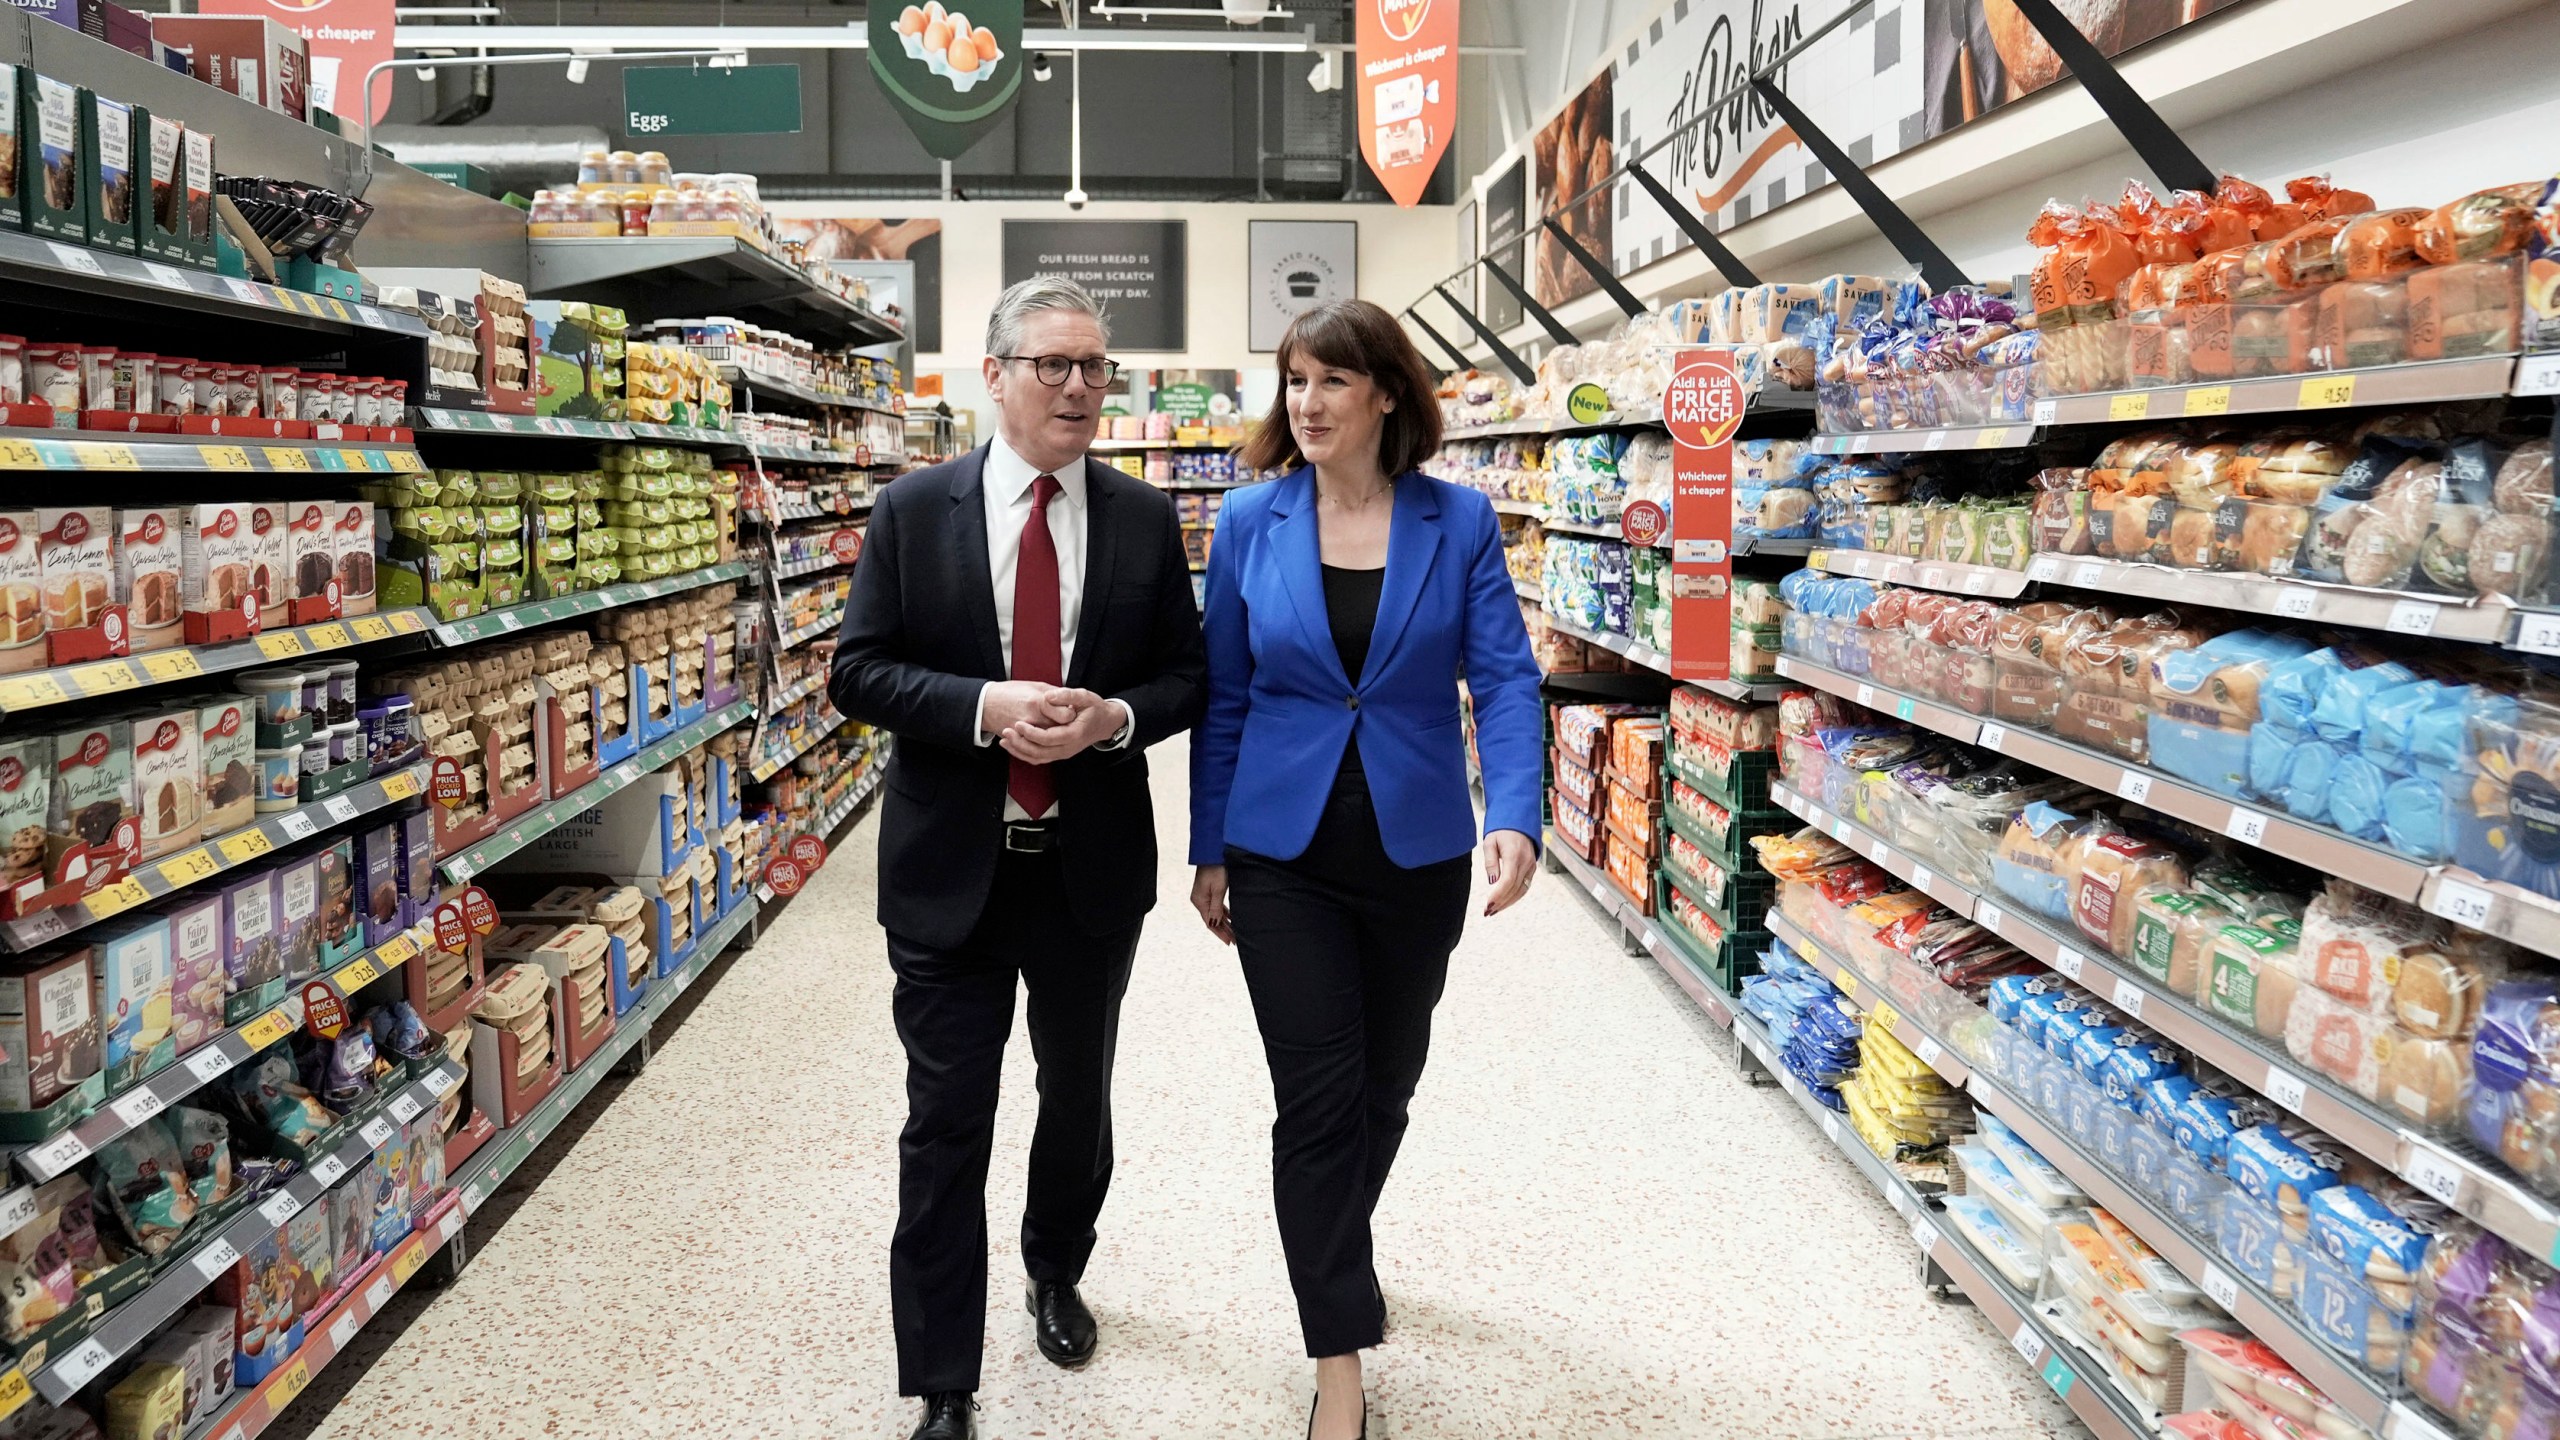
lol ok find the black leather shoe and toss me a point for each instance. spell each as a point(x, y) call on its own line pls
point(947, 1417)
point(1065, 1328)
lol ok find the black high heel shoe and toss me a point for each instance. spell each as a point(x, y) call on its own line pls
point(1364, 1414)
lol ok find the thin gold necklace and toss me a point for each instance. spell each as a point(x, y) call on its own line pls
point(1367, 500)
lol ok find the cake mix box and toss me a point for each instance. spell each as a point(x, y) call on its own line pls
point(354, 557)
point(227, 752)
point(150, 570)
point(135, 982)
point(298, 916)
point(26, 782)
point(269, 555)
point(378, 882)
point(89, 818)
point(21, 592)
point(48, 1028)
point(311, 555)
point(195, 964)
point(168, 776)
point(341, 934)
point(249, 936)
point(13, 151)
point(161, 227)
point(218, 557)
point(76, 547)
point(57, 208)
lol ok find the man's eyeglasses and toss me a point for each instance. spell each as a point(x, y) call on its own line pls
point(1052, 369)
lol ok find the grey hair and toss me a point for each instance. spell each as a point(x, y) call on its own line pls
point(1040, 292)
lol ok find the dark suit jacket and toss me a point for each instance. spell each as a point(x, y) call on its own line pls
point(920, 639)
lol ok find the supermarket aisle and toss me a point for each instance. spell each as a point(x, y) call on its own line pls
point(1595, 1230)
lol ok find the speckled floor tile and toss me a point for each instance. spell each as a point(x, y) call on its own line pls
point(1596, 1228)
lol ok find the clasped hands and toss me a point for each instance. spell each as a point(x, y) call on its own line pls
point(1043, 723)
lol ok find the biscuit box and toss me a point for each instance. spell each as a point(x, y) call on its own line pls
point(353, 552)
point(219, 557)
point(21, 592)
point(89, 821)
point(227, 751)
point(269, 577)
point(134, 980)
point(168, 780)
point(196, 975)
point(49, 1041)
point(150, 570)
point(26, 775)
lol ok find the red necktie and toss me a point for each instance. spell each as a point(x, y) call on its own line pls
point(1035, 636)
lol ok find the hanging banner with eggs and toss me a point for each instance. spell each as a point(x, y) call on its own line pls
point(952, 73)
point(1407, 51)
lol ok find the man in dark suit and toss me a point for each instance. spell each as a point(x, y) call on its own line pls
point(1022, 621)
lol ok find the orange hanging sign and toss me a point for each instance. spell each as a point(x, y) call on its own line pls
point(1407, 52)
point(1702, 408)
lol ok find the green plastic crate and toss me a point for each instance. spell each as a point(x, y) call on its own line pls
point(1742, 785)
point(1734, 852)
point(1726, 965)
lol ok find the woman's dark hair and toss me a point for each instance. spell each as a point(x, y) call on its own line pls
point(1358, 336)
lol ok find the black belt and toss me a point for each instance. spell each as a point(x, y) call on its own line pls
point(1026, 837)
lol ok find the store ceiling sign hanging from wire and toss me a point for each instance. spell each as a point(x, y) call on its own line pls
point(952, 75)
point(1408, 84)
point(701, 99)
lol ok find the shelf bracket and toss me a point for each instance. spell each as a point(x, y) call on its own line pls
point(1510, 359)
point(1546, 320)
point(1726, 263)
point(1598, 272)
point(2168, 157)
point(1907, 237)
point(1456, 356)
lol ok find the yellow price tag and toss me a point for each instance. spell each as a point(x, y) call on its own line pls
point(1884, 1015)
point(2209, 400)
point(400, 786)
point(282, 459)
point(338, 311)
point(408, 622)
point(29, 691)
point(246, 846)
point(1848, 982)
point(279, 645)
point(1992, 439)
point(354, 458)
point(167, 665)
point(14, 1391)
point(289, 1382)
point(19, 455)
point(94, 456)
point(371, 627)
point(406, 1262)
point(2134, 406)
point(223, 457)
point(406, 461)
point(2327, 392)
point(396, 951)
point(356, 976)
point(104, 679)
point(1818, 559)
point(266, 1030)
point(189, 868)
point(331, 636)
point(116, 899)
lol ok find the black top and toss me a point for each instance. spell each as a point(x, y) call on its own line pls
point(1351, 607)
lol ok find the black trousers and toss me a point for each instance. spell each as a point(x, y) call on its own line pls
point(1346, 953)
point(954, 1012)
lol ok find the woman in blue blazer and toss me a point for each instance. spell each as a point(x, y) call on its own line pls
point(1330, 815)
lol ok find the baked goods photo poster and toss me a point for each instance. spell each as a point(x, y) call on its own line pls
point(1574, 153)
point(1891, 77)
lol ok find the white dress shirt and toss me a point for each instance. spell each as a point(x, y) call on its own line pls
point(1006, 487)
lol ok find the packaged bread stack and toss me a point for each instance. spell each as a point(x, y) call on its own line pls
point(2482, 1351)
point(2008, 1200)
point(2125, 1302)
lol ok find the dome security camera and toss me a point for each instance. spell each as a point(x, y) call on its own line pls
point(1075, 198)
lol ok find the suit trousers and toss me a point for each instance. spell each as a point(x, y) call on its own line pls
point(954, 1012)
point(1345, 953)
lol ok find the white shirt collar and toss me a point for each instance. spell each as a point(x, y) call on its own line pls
point(1008, 476)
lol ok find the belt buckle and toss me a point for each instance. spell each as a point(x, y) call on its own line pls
point(1035, 833)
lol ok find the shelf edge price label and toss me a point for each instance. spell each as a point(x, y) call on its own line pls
point(2217, 1283)
point(166, 665)
point(2132, 406)
point(2069, 961)
point(245, 846)
point(329, 1170)
point(2209, 400)
point(2246, 826)
point(2433, 1170)
point(2029, 1345)
point(1929, 1052)
point(279, 458)
point(2460, 902)
point(344, 1328)
point(2413, 617)
point(83, 1363)
point(1988, 916)
point(291, 1381)
point(2538, 375)
point(2128, 997)
point(2285, 1088)
point(215, 1258)
point(2405, 1422)
point(1992, 737)
point(136, 1106)
point(2133, 786)
point(59, 1153)
point(208, 1062)
point(280, 1207)
point(2296, 602)
point(1924, 1234)
point(2326, 392)
point(2538, 632)
point(378, 1294)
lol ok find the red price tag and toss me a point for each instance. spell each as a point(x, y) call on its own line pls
point(845, 546)
point(444, 782)
point(453, 937)
point(785, 875)
point(324, 1010)
point(479, 911)
point(810, 851)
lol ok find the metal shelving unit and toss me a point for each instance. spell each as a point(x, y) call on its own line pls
point(715, 275)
